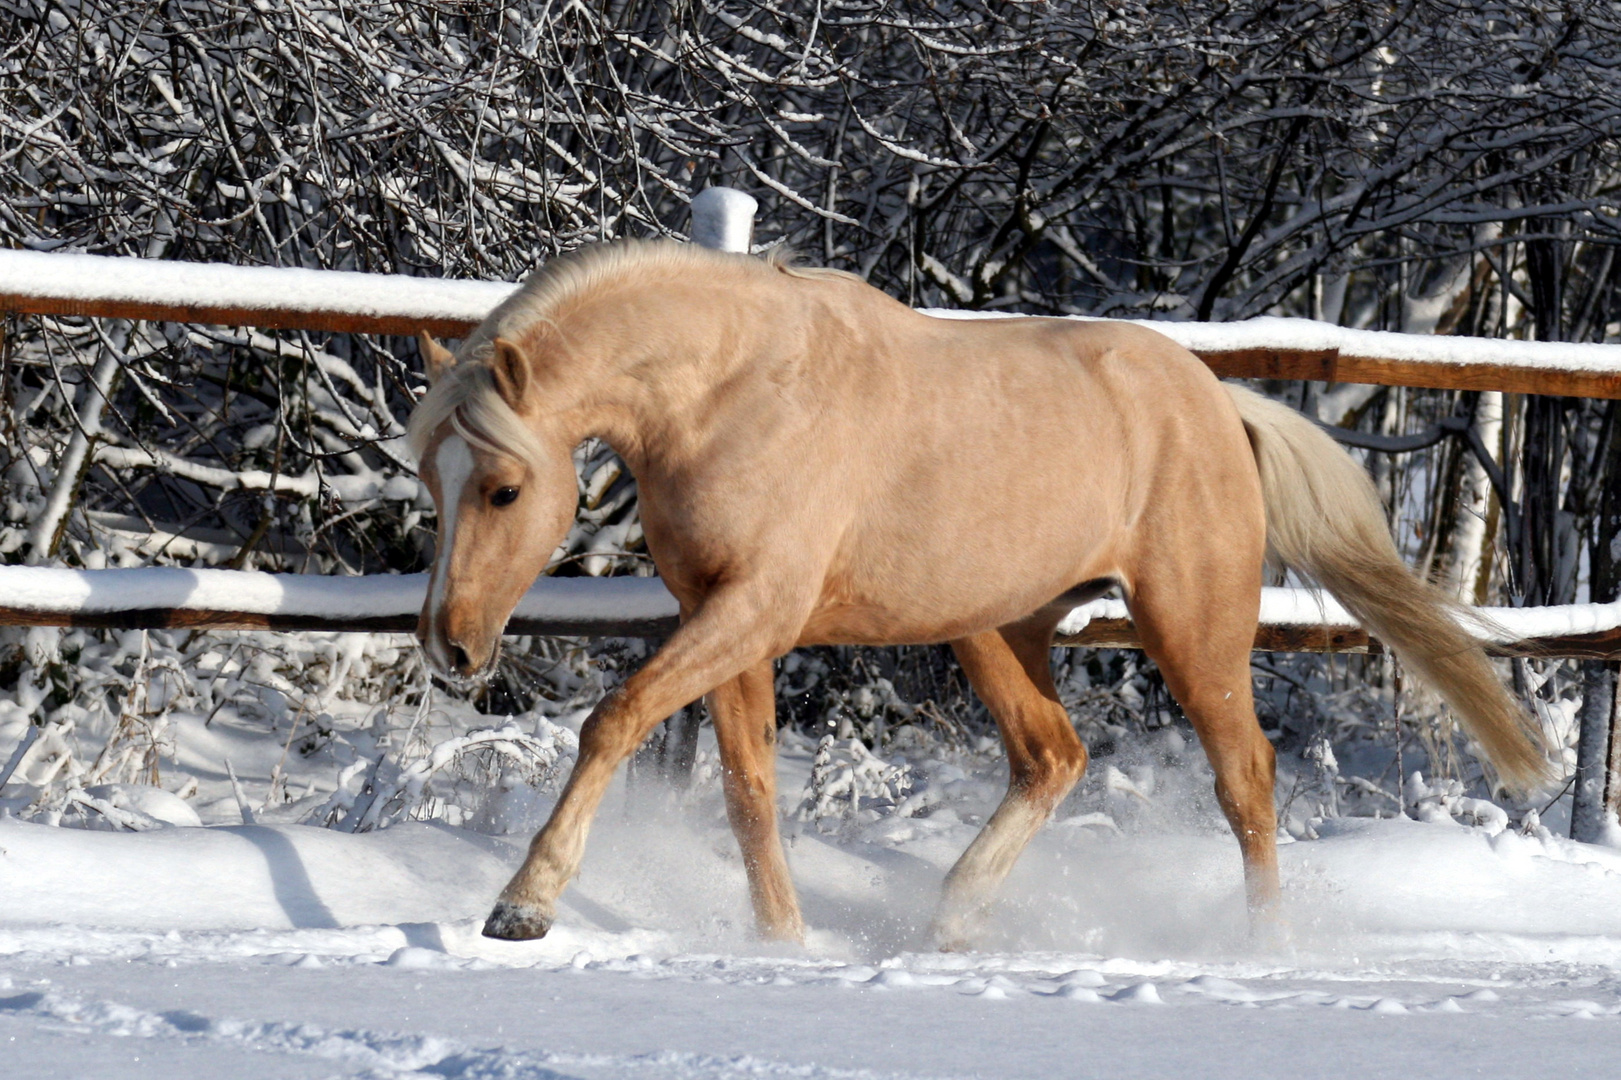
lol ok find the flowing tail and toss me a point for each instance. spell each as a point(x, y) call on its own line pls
point(1324, 518)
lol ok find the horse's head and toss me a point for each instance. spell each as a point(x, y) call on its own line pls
point(506, 494)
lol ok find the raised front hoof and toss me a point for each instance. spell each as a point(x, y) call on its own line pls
point(516, 922)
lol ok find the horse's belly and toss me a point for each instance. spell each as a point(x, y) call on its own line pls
point(933, 609)
point(851, 625)
point(864, 625)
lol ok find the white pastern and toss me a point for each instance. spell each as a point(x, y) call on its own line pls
point(454, 463)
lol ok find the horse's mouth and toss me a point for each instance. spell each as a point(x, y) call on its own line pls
point(455, 679)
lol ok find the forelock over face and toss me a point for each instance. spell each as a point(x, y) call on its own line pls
point(466, 399)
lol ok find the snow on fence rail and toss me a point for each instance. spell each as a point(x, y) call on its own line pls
point(1292, 620)
point(174, 597)
point(1309, 620)
point(341, 301)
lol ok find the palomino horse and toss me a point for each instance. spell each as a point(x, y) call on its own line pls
point(819, 464)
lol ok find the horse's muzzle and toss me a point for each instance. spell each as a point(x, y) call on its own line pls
point(453, 662)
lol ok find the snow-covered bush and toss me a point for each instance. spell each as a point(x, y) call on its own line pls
point(473, 779)
point(320, 724)
point(849, 783)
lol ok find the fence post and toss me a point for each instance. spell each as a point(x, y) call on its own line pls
point(723, 219)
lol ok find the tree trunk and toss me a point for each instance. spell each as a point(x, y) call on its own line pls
point(1591, 802)
point(1468, 564)
point(46, 535)
point(1598, 787)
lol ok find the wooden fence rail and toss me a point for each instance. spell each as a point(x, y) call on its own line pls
point(1119, 633)
point(1292, 620)
point(340, 301)
point(170, 597)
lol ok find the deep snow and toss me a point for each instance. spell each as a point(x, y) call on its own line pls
point(287, 950)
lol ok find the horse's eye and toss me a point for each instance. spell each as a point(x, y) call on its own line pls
point(504, 496)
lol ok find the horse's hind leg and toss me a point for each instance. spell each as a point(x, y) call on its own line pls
point(745, 715)
point(1199, 626)
point(1011, 671)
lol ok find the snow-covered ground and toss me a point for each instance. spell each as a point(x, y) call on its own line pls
point(284, 950)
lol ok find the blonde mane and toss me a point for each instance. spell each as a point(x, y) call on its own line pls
point(466, 396)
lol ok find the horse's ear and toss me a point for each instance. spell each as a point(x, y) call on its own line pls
point(435, 357)
point(511, 371)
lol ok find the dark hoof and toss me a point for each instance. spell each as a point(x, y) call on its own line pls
point(516, 922)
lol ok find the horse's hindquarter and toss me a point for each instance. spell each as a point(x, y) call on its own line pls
point(1025, 457)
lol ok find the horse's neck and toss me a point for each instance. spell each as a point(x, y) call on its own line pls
point(644, 390)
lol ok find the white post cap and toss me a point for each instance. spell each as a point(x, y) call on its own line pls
point(723, 218)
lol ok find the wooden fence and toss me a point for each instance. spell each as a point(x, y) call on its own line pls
point(104, 286)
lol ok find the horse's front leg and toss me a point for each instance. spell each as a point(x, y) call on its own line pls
point(724, 637)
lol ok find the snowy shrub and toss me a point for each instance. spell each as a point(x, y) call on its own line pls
point(850, 784)
point(465, 780)
point(1445, 801)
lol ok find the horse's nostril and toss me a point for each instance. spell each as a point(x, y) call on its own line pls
point(458, 658)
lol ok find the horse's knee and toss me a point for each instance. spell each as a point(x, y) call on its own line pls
point(609, 732)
